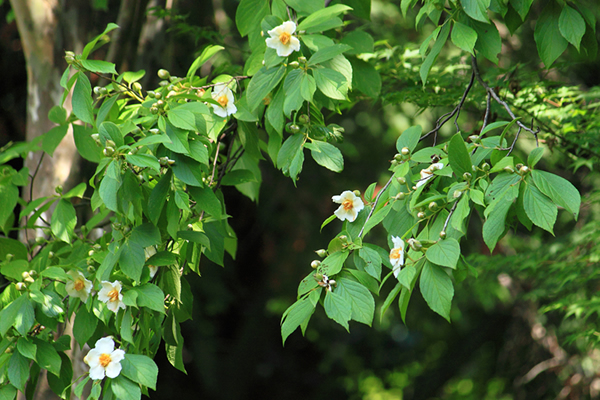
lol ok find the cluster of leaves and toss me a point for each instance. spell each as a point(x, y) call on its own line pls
point(155, 198)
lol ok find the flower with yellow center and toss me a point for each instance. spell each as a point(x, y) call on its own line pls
point(397, 255)
point(282, 40)
point(111, 295)
point(79, 286)
point(104, 360)
point(350, 206)
point(427, 173)
point(224, 96)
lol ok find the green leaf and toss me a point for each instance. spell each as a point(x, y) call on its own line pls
point(409, 138)
point(209, 51)
point(293, 91)
point(158, 196)
point(91, 45)
point(322, 16)
point(144, 161)
point(18, 370)
point(86, 146)
point(53, 137)
point(237, 177)
point(206, 200)
point(359, 41)
point(141, 369)
point(125, 389)
point(327, 155)
point(476, 9)
point(327, 53)
point(338, 308)
point(365, 78)
point(82, 101)
point(571, 25)
point(539, 208)
point(26, 348)
point(47, 357)
point(182, 119)
point(133, 76)
point(390, 299)
point(8, 392)
point(488, 43)
point(9, 194)
point(535, 156)
point(444, 252)
point(548, 38)
point(560, 190)
point(308, 86)
point(333, 263)
point(458, 156)
point(19, 314)
point(99, 66)
point(108, 190)
point(464, 37)
point(132, 260)
point(150, 295)
point(494, 226)
point(64, 220)
point(372, 261)
point(331, 83)
point(295, 315)
point(289, 151)
point(360, 299)
point(522, 7)
point(435, 51)
point(437, 290)
point(14, 247)
point(84, 326)
point(262, 83)
point(145, 235)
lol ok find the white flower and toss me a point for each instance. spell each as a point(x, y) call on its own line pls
point(79, 286)
point(427, 173)
point(350, 206)
point(149, 252)
point(397, 255)
point(282, 40)
point(111, 295)
point(104, 360)
point(224, 96)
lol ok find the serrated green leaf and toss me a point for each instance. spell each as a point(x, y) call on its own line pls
point(295, 315)
point(437, 289)
point(464, 37)
point(338, 308)
point(124, 389)
point(539, 208)
point(360, 299)
point(322, 16)
point(209, 51)
point(82, 101)
point(548, 38)
point(476, 9)
point(445, 253)
point(333, 263)
point(458, 156)
point(434, 52)
point(140, 369)
point(327, 155)
point(571, 25)
point(560, 190)
point(262, 84)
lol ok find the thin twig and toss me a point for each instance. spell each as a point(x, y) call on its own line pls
point(450, 215)
point(493, 93)
point(389, 182)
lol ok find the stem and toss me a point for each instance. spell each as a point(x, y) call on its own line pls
point(389, 182)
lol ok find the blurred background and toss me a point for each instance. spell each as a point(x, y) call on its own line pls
point(526, 328)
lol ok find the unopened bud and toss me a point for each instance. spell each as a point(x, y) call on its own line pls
point(96, 138)
point(400, 196)
point(415, 244)
point(91, 253)
point(151, 94)
point(136, 86)
point(343, 238)
point(20, 286)
point(108, 151)
point(433, 206)
point(9, 257)
point(315, 264)
point(474, 138)
point(302, 60)
point(443, 234)
point(170, 162)
point(318, 277)
point(518, 166)
point(294, 129)
point(153, 110)
point(356, 193)
point(405, 151)
point(164, 161)
point(158, 95)
point(467, 176)
point(91, 269)
point(304, 119)
point(457, 194)
point(33, 272)
point(40, 240)
point(485, 167)
point(524, 169)
point(398, 157)
point(50, 254)
point(294, 64)
point(154, 131)
point(163, 74)
point(510, 170)
point(173, 78)
point(58, 189)
point(420, 215)
point(321, 253)
point(401, 180)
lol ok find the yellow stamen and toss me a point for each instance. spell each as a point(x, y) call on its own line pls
point(79, 285)
point(347, 205)
point(395, 253)
point(284, 38)
point(223, 100)
point(113, 295)
point(105, 359)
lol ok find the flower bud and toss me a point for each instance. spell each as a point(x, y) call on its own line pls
point(173, 78)
point(474, 138)
point(158, 95)
point(136, 86)
point(91, 253)
point(33, 272)
point(294, 129)
point(398, 157)
point(58, 189)
point(356, 193)
point(153, 110)
point(50, 255)
point(20, 286)
point(40, 240)
point(97, 247)
point(518, 166)
point(401, 180)
point(420, 215)
point(433, 206)
point(467, 176)
point(443, 234)
point(400, 196)
point(524, 169)
point(321, 253)
point(163, 74)
point(151, 94)
point(96, 138)
point(485, 167)
point(9, 257)
point(405, 151)
point(97, 90)
point(315, 264)
point(91, 269)
point(415, 244)
point(510, 170)
point(294, 64)
point(302, 60)
point(304, 119)
point(457, 194)
point(160, 103)
point(343, 238)
point(110, 143)
point(154, 131)
point(108, 151)
point(164, 161)
point(318, 277)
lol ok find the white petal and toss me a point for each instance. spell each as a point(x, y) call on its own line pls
point(289, 27)
point(105, 345)
point(117, 355)
point(97, 372)
point(341, 213)
point(92, 358)
point(113, 369)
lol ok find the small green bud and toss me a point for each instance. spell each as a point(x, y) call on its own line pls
point(108, 151)
point(474, 138)
point(394, 162)
point(10, 349)
point(294, 64)
point(400, 196)
point(160, 103)
point(467, 176)
point(443, 235)
point(9, 257)
point(153, 110)
point(170, 162)
point(356, 193)
point(485, 167)
point(50, 255)
point(151, 94)
point(110, 143)
point(69, 53)
point(158, 95)
point(40, 240)
point(91, 269)
point(173, 78)
point(318, 277)
point(415, 244)
point(401, 180)
point(164, 161)
point(163, 74)
point(136, 86)
point(524, 169)
point(518, 166)
point(33, 272)
point(405, 151)
point(140, 178)
point(343, 238)
point(91, 253)
point(97, 247)
point(294, 129)
point(154, 131)
point(433, 206)
point(97, 90)
point(420, 215)
point(58, 189)
point(510, 170)
point(302, 60)
point(163, 83)
point(315, 264)
point(96, 138)
point(303, 119)
point(398, 157)
point(20, 286)
point(321, 253)
point(457, 194)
